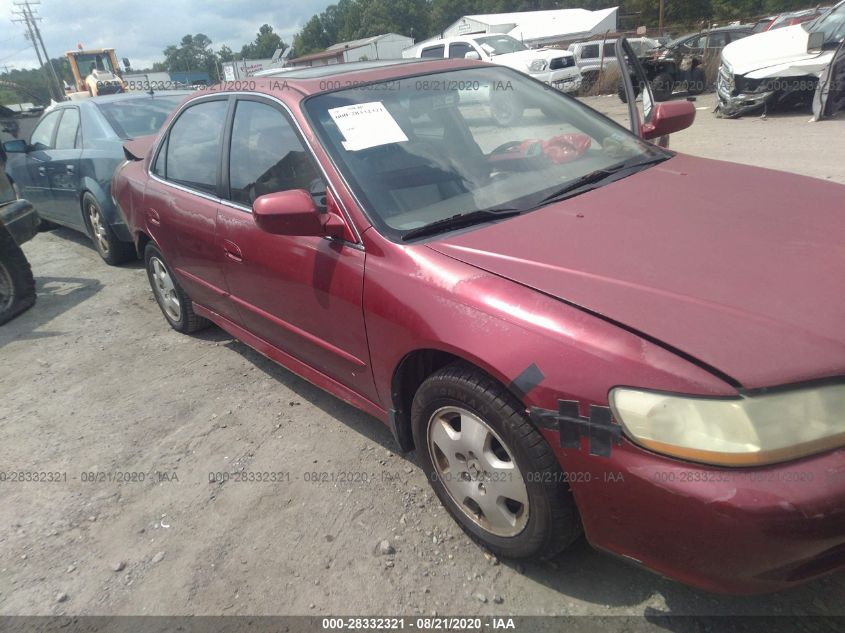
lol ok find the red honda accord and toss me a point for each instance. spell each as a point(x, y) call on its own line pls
point(577, 330)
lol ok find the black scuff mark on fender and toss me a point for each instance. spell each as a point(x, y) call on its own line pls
point(530, 377)
point(601, 432)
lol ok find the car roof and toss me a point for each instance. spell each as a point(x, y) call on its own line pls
point(719, 29)
point(129, 96)
point(313, 80)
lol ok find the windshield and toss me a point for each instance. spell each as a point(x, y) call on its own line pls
point(131, 118)
point(97, 61)
point(421, 149)
point(832, 24)
point(500, 44)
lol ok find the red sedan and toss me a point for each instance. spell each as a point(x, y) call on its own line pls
point(577, 330)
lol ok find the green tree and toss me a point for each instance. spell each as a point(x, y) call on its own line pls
point(265, 44)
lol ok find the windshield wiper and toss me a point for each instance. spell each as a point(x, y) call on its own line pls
point(594, 178)
point(460, 220)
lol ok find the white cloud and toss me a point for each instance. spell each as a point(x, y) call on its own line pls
point(141, 29)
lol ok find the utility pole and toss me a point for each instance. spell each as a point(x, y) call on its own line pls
point(31, 20)
point(660, 23)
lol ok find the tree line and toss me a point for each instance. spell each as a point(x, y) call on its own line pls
point(420, 19)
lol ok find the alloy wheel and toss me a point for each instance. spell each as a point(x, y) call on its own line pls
point(478, 471)
point(98, 228)
point(165, 289)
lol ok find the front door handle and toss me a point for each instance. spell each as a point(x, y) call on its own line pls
point(42, 171)
point(232, 251)
point(69, 169)
point(154, 217)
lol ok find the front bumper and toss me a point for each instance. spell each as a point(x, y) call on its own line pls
point(565, 79)
point(733, 103)
point(741, 531)
point(21, 219)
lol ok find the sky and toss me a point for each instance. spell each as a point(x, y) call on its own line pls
point(141, 29)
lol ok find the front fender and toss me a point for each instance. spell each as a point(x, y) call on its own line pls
point(416, 298)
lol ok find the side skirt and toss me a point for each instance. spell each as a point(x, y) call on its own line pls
point(316, 378)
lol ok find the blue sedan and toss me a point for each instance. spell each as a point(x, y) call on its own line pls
point(65, 169)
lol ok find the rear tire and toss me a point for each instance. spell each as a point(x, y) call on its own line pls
point(174, 303)
point(17, 286)
point(113, 250)
point(491, 469)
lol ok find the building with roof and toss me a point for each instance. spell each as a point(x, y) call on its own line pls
point(537, 28)
point(386, 46)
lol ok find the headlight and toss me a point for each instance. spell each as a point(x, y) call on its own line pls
point(538, 65)
point(742, 431)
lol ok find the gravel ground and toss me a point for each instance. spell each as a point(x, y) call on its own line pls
point(93, 381)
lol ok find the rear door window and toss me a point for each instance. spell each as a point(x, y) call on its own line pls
point(193, 146)
point(68, 132)
point(435, 52)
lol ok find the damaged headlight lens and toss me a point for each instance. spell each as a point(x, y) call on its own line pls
point(538, 65)
point(743, 84)
point(742, 431)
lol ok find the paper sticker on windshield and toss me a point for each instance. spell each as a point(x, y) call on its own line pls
point(366, 125)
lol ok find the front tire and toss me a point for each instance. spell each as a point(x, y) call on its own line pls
point(113, 250)
point(17, 286)
point(490, 467)
point(506, 109)
point(662, 87)
point(174, 303)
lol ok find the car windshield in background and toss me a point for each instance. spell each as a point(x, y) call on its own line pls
point(131, 118)
point(832, 24)
point(500, 44)
point(423, 149)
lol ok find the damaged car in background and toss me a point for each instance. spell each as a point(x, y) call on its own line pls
point(781, 68)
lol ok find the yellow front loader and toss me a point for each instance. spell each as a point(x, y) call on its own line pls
point(95, 71)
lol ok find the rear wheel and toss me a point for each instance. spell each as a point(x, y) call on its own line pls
point(113, 250)
point(490, 467)
point(174, 303)
point(17, 286)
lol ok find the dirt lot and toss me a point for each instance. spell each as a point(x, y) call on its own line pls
point(93, 381)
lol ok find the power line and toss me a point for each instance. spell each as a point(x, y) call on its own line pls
point(31, 19)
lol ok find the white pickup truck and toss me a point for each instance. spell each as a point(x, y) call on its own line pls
point(554, 67)
point(776, 66)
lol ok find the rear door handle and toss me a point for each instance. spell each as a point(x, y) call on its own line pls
point(232, 251)
point(69, 169)
point(42, 171)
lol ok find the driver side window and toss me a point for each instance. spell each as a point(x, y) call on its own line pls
point(267, 156)
point(42, 136)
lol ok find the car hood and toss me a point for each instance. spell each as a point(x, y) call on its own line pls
point(780, 48)
point(738, 267)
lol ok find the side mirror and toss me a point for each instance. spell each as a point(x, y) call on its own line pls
point(18, 146)
point(126, 63)
point(669, 117)
point(815, 42)
point(294, 212)
point(472, 55)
